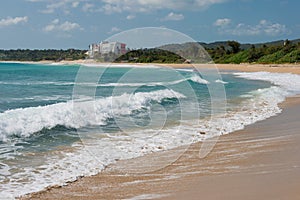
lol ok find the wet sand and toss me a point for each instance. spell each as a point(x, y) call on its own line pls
point(266, 166)
point(259, 162)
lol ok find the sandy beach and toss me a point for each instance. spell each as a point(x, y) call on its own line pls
point(259, 162)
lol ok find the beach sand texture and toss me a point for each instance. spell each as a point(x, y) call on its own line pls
point(260, 162)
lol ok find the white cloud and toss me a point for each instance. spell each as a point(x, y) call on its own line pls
point(61, 27)
point(264, 27)
point(114, 30)
point(54, 5)
point(50, 8)
point(173, 17)
point(109, 8)
point(222, 22)
point(273, 29)
point(130, 17)
point(88, 7)
point(118, 6)
point(75, 4)
point(13, 21)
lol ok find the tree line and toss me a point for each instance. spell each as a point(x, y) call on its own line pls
point(40, 55)
point(229, 52)
point(150, 56)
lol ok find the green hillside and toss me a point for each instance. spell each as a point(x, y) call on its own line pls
point(285, 52)
point(234, 52)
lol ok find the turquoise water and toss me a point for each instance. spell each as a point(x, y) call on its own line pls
point(48, 111)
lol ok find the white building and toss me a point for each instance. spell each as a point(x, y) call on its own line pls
point(93, 50)
point(105, 47)
point(112, 47)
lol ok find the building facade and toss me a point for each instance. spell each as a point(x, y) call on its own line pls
point(104, 48)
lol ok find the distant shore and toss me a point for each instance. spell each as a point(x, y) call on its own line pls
point(275, 68)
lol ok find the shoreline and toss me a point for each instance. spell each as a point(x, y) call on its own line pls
point(271, 172)
point(275, 68)
point(166, 178)
point(242, 159)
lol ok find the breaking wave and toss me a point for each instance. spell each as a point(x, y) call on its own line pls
point(23, 122)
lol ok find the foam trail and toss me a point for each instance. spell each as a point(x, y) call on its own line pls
point(194, 78)
point(38, 83)
point(290, 82)
point(185, 70)
point(198, 79)
point(120, 66)
point(220, 81)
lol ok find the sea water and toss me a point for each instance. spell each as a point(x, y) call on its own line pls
point(56, 127)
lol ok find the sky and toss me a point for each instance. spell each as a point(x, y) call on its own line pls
point(63, 24)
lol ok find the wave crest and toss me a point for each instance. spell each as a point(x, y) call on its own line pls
point(23, 122)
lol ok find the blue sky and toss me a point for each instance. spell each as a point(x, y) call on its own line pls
point(77, 23)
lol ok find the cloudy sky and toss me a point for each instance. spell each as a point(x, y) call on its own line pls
point(77, 23)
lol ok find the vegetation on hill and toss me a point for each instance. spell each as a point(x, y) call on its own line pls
point(39, 55)
point(218, 52)
point(150, 56)
point(287, 52)
point(234, 52)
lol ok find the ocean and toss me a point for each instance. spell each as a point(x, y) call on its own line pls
point(61, 122)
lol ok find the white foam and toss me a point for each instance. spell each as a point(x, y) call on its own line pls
point(195, 78)
point(198, 79)
point(290, 82)
point(111, 65)
point(221, 81)
point(26, 121)
point(37, 83)
point(42, 98)
point(262, 105)
point(185, 70)
point(56, 170)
